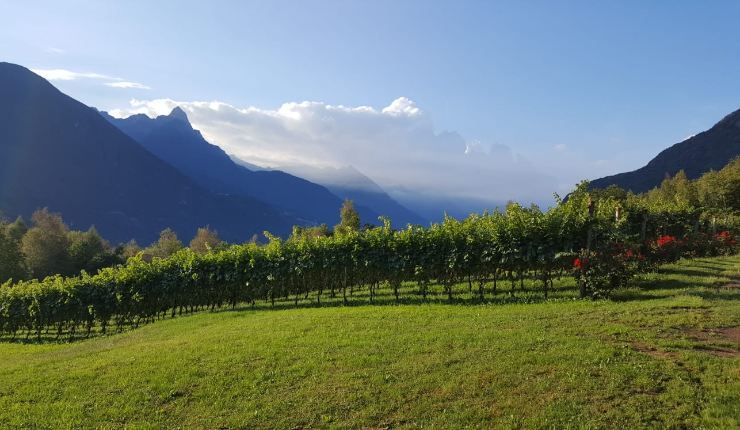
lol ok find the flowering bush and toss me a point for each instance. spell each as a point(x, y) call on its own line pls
point(666, 241)
point(665, 249)
point(724, 236)
point(725, 243)
point(668, 249)
point(599, 272)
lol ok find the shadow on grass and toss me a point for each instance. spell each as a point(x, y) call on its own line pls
point(637, 295)
point(716, 294)
point(28, 338)
point(518, 297)
point(665, 284)
point(712, 266)
point(686, 272)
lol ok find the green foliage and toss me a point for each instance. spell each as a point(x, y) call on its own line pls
point(46, 244)
point(50, 248)
point(349, 218)
point(128, 250)
point(721, 190)
point(615, 238)
point(601, 271)
point(16, 229)
point(654, 358)
point(88, 251)
point(205, 241)
point(308, 232)
point(167, 245)
point(12, 265)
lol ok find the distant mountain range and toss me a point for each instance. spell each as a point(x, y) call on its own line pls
point(56, 152)
point(313, 201)
point(709, 150)
point(349, 183)
point(133, 177)
point(172, 138)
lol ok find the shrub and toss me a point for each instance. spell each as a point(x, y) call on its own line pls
point(599, 272)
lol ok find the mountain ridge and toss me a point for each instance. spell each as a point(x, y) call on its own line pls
point(349, 183)
point(58, 153)
point(709, 150)
point(173, 139)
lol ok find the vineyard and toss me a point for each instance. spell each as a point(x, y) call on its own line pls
point(598, 241)
point(660, 354)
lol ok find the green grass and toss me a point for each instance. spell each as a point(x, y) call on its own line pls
point(654, 357)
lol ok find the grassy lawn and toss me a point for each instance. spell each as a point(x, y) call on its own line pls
point(663, 354)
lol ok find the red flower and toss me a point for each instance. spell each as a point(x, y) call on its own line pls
point(665, 240)
point(629, 253)
point(577, 263)
point(723, 236)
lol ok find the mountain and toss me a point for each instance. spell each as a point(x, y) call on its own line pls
point(56, 152)
point(435, 208)
point(369, 197)
point(249, 166)
point(173, 139)
point(709, 150)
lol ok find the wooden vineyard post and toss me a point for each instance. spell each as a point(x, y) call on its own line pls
point(589, 240)
point(590, 234)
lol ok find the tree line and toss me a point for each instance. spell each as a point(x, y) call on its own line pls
point(49, 247)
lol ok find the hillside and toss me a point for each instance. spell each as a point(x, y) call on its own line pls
point(173, 139)
point(709, 150)
point(56, 152)
point(663, 355)
point(350, 183)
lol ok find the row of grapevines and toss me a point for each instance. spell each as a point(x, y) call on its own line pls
point(485, 248)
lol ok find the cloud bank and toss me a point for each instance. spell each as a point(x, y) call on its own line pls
point(396, 145)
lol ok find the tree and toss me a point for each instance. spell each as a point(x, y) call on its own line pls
point(167, 244)
point(349, 218)
point(128, 250)
point(90, 252)
point(308, 232)
point(45, 245)
point(16, 229)
point(12, 265)
point(721, 189)
point(684, 190)
point(612, 191)
point(205, 240)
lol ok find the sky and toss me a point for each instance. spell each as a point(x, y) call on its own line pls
point(489, 100)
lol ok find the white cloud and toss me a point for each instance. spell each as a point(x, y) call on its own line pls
point(560, 147)
point(57, 51)
point(402, 106)
point(397, 146)
point(68, 75)
point(128, 85)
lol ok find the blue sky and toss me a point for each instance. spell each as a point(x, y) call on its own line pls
point(573, 89)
